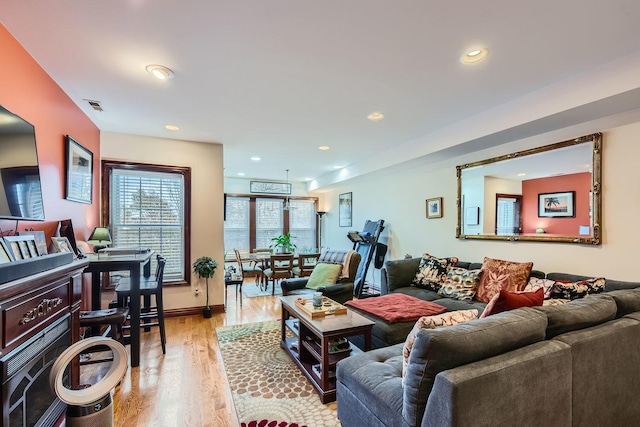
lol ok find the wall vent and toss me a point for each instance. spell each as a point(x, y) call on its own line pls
point(94, 104)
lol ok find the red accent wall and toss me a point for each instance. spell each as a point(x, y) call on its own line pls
point(579, 182)
point(28, 91)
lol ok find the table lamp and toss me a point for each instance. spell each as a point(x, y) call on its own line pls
point(100, 238)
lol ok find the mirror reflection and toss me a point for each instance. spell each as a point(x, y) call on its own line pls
point(550, 193)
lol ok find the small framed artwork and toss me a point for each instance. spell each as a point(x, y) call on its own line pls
point(62, 244)
point(6, 255)
point(22, 247)
point(434, 207)
point(39, 241)
point(557, 205)
point(79, 164)
point(345, 205)
point(472, 215)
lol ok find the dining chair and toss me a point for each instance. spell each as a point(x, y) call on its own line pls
point(280, 267)
point(306, 264)
point(149, 286)
point(260, 263)
point(235, 282)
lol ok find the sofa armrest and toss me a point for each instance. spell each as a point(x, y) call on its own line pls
point(398, 274)
point(337, 288)
point(288, 285)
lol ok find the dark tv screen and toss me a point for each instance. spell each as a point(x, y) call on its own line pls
point(20, 189)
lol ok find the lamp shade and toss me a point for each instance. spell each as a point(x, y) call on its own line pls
point(100, 237)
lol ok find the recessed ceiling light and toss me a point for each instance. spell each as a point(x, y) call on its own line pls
point(159, 71)
point(521, 174)
point(172, 127)
point(376, 116)
point(474, 55)
point(337, 167)
point(324, 147)
point(256, 158)
point(240, 173)
point(308, 179)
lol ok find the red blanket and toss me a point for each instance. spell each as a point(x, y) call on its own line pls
point(397, 307)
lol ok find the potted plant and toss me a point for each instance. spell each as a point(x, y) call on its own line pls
point(283, 242)
point(205, 267)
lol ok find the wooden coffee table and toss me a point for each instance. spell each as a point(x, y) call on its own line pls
point(309, 347)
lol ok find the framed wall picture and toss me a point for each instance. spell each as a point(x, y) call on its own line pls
point(6, 255)
point(472, 215)
point(345, 205)
point(434, 207)
point(269, 187)
point(79, 165)
point(557, 205)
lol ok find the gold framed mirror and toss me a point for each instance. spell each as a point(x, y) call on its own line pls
point(546, 194)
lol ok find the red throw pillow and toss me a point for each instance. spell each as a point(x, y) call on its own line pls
point(506, 301)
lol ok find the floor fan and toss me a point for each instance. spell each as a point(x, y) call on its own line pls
point(92, 406)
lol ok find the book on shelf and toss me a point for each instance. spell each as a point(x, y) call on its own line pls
point(317, 369)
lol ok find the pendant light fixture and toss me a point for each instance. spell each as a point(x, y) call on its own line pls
point(287, 206)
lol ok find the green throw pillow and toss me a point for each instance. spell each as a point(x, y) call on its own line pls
point(324, 274)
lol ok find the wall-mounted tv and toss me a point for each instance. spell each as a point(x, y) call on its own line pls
point(20, 189)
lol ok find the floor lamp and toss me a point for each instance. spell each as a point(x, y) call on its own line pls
point(320, 215)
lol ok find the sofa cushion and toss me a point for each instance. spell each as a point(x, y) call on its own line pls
point(578, 289)
point(499, 274)
point(432, 272)
point(627, 301)
point(535, 283)
point(324, 274)
point(461, 284)
point(345, 259)
point(579, 314)
point(436, 350)
point(432, 322)
point(505, 301)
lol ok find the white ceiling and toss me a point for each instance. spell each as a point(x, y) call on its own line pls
point(278, 78)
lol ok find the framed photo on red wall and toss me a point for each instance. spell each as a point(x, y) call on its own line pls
point(557, 205)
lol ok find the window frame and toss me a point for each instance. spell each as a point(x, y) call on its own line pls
point(107, 167)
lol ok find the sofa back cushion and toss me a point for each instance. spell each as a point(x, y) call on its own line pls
point(399, 273)
point(627, 301)
point(436, 350)
point(579, 314)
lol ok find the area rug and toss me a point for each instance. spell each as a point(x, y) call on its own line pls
point(251, 290)
point(267, 387)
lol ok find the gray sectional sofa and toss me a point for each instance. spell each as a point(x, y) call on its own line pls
point(576, 364)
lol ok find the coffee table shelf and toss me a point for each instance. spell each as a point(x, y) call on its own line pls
point(310, 344)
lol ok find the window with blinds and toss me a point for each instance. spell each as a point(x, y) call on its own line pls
point(148, 209)
point(302, 224)
point(236, 225)
point(269, 221)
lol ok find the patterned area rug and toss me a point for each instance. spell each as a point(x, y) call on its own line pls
point(267, 387)
point(250, 290)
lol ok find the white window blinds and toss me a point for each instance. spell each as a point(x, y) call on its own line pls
point(147, 210)
point(302, 224)
point(236, 225)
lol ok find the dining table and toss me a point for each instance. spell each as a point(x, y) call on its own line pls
point(137, 263)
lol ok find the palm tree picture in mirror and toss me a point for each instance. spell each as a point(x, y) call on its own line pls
point(283, 244)
point(205, 268)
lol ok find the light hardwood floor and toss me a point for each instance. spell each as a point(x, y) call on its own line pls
point(187, 386)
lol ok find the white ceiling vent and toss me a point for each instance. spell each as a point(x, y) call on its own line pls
point(95, 104)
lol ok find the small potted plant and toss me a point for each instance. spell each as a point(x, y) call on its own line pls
point(205, 267)
point(283, 243)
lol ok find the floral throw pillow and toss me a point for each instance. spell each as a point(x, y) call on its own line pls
point(534, 284)
point(432, 272)
point(579, 289)
point(460, 284)
point(449, 318)
point(500, 275)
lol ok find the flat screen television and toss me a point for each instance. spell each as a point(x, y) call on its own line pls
point(20, 189)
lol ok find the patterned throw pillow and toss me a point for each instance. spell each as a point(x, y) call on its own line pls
point(579, 289)
point(460, 284)
point(505, 301)
point(535, 284)
point(502, 275)
point(449, 318)
point(555, 301)
point(432, 272)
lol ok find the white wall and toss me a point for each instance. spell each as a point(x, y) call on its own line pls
point(399, 197)
point(205, 161)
